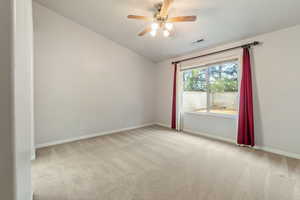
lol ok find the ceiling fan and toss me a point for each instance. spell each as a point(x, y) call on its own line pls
point(161, 20)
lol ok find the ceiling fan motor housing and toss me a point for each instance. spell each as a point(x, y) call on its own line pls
point(158, 18)
point(158, 6)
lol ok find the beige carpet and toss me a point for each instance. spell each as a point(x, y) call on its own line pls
point(155, 163)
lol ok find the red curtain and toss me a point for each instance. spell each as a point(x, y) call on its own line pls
point(173, 121)
point(246, 122)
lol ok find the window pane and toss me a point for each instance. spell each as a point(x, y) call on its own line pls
point(223, 88)
point(194, 90)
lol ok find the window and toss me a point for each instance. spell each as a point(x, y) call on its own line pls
point(211, 89)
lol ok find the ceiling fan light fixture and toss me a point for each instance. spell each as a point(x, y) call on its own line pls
point(153, 33)
point(168, 26)
point(166, 33)
point(161, 21)
point(154, 26)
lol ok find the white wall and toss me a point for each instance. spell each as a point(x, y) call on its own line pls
point(23, 98)
point(85, 83)
point(276, 98)
point(6, 106)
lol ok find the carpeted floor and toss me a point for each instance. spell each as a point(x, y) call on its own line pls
point(155, 163)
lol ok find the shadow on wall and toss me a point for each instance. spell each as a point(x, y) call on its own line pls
point(258, 129)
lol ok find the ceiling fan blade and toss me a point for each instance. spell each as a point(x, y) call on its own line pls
point(146, 30)
point(165, 7)
point(183, 19)
point(139, 17)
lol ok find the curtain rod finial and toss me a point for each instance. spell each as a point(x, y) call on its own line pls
point(256, 43)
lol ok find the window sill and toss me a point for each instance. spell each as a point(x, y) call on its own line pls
point(228, 116)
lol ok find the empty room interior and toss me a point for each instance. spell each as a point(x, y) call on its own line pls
point(150, 100)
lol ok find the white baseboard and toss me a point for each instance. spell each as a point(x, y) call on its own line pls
point(47, 144)
point(215, 137)
point(163, 125)
point(278, 151)
point(263, 148)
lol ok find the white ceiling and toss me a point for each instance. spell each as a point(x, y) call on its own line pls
point(219, 21)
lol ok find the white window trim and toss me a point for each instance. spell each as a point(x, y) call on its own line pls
point(237, 57)
point(211, 114)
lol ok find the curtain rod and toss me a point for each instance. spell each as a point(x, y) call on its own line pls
point(248, 45)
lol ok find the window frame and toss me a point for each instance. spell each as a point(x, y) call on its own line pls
point(236, 58)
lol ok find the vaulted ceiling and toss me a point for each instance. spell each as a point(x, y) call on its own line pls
point(219, 21)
